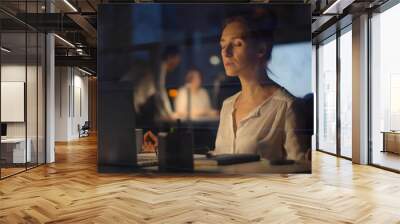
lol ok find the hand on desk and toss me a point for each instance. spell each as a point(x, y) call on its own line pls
point(150, 142)
point(210, 154)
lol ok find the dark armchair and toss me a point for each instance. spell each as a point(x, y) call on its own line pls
point(84, 129)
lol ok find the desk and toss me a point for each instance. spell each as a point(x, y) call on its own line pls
point(201, 165)
point(391, 141)
point(204, 132)
point(13, 150)
point(260, 167)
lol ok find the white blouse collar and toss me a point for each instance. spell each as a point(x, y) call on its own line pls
point(256, 112)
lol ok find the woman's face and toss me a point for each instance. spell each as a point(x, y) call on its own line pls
point(238, 54)
point(195, 82)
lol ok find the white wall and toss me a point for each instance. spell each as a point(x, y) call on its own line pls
point(71, 94)
point(61, 103)
point(16, 73)
point(11, 73)
point(33, 127)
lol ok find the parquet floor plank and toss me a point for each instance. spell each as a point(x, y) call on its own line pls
point(71, 191)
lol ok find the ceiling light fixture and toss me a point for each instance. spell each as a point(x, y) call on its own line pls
point(337, 7)
point(84, 71)
point(65, 41)
point(329, 9)
point(5, 50)
point(70, 5)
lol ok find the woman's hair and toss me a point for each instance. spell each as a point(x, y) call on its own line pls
point(260, 25)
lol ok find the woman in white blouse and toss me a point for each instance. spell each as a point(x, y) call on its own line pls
point(199, 104)
point(261, 118)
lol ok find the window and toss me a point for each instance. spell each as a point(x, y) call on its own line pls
point(327, 96)
point(346, 93)
point(22, 92)
point(385, 88)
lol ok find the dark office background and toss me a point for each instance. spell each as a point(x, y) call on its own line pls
point(143, 30)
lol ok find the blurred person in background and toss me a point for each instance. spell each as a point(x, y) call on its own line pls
point(193, 101)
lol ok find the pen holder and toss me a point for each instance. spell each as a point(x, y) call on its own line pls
point(139, 140)
point(175, 152)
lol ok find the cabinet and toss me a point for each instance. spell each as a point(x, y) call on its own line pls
point(13, 150)
point(391, 141)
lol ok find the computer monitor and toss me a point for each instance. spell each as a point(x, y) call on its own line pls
point(3, 130)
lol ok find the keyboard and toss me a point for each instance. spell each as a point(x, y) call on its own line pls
point(146, 160)
point(229, 159)
point(147, 163)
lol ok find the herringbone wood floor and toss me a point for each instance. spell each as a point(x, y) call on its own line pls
point(71, 191)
